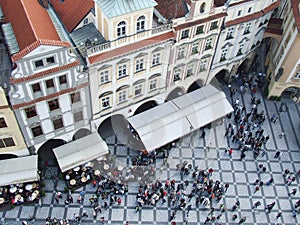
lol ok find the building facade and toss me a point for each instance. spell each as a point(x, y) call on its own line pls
point(283, 59)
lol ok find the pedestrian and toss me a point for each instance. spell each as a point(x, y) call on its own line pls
point(279, 214)
point(230, 152)
point(234, 217)
point(226, 187)
point(281, 135)
point(270, 207)
point(173, 223)
point(207, 220)
point(270, 181)
point(84, 214)
point(212, 209)
point(256, 182)
point(203, 134)
point(257, 188)
point(277, 154)
point(293, 192)
point(127, 223)
point(242, 220)
point(243, 155)
point(256, 204)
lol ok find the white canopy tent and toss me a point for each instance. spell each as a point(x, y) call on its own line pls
point(19, 170)
point(178, 117)
point(80, 151)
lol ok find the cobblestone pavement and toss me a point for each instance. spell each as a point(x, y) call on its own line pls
point(239, 174)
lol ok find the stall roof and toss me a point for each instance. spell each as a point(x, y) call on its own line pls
point(80, 151)
point(178, 117)
point(19, 170)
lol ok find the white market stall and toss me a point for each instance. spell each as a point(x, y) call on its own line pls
point(19, 170)
point(80, 151)
point(178, 117)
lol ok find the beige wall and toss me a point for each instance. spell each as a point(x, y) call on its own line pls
point(12, 130)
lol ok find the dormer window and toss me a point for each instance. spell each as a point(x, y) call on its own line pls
point(121, 29)
point(202, 7)
point(140, 25)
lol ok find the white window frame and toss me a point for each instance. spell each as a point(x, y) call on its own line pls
point(185, 34)
point(45, 62)
point(139, 64)
point(195, 48)
point(122, 71)
point(224, 54)
point(247, 28)
point(121, 29)
point(177, 74)
point(122, 96)
point(203, 65)
point(104, 76)
point(105, 102)
point(181, 52)
point(190, 70)
point(153, 84)
point(156, 58)
point(297, 76)
point(140, 24)
point(208, 43)
point(138, 89)
point(230, 32)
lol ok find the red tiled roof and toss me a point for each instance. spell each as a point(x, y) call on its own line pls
point(130, 47)
point(71, 12)
point(296, 9)
point(30, 22)
point(54, 95)
point(253, 15)
point(171, 9)
point(196, 22)
point(219, 3)
point(44, 73)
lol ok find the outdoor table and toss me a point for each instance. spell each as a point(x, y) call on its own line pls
point(67, 177)
point(1, 201)
point(13, 189)
point(89, 164)
point(106, 166)
point(83, 179)
point(97, 172)
point(120, 168)
point(72, 182)
point(76, 169)
point(28, 187)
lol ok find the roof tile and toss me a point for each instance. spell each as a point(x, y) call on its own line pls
point(171, 9)
point(296, 12)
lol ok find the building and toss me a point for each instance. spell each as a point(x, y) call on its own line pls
point(49, 89)
point(242, 32)
point(283, 58)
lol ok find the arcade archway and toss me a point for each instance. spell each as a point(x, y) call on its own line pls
point(194, 86)
point(291, 93)
point(178, 91)
point(222, 76)
point(45, 152)
point(81, 133)
point(145, 106)
point(7, 156)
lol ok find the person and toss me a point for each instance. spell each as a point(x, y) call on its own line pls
point(270, 207)
point(127, 223)
point(293, 192)
point(242, 220)
point(234, 217)
point(279, 214)
point(84, 214)
point(270, 181)
point(256, 204)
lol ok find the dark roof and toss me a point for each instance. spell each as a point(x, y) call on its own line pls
point(71, 12)
point(219, 3)
point(171, 9)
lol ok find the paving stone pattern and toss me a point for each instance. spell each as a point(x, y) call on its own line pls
point(239, 174)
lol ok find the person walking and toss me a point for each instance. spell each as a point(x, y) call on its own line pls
point(270, 207)
point(256, 204)
point(270, 181)
point(293, 192)
point(242, 220)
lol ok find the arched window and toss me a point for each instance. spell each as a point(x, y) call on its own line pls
point(140, 25)
point(121, 29)
point(202, 7)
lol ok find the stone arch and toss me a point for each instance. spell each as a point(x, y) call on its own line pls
point(291, 92)
point(178, 91)
point(244, 66)
point(222, 76)
point(7, 156)
point(195, 85)
point(145, 106)
point(45, 152)
point(82, 132)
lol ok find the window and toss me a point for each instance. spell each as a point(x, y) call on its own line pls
point(57, 123)
point(202, 7)
point(75, 97)
point(249, 9)
point(63, 81)
point(240, 51)
point(181, 51)
point(230, 33)
point(122, 71)
point(105, 102)
point(39, 64)
point(104, 77)
point(297, 76)
point(195, 48)
point(85, 21)
point(153, 84)
point(239, 13)
point(2, 123)
point(50, 86)
point(121, 29)
point(7, 142)
point(203, 64)
point(156, 59)
point(78, 116)
point(223, 55)
point(140, 25)
point(247, 28)
point(185, 34)
point(199, 30)
point(50, 60)
point(208, 43)
point(190, 70)
point(177, 75)
point(138, 89)
point(122, 96)
point(139, 65)
point(30, 112)
point(214, 25)
point(53, 104)
point(36, 89)
point(37, 131)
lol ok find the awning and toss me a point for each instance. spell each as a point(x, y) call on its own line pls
point(80, 151)
point(178, 117)
point(19, 170)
